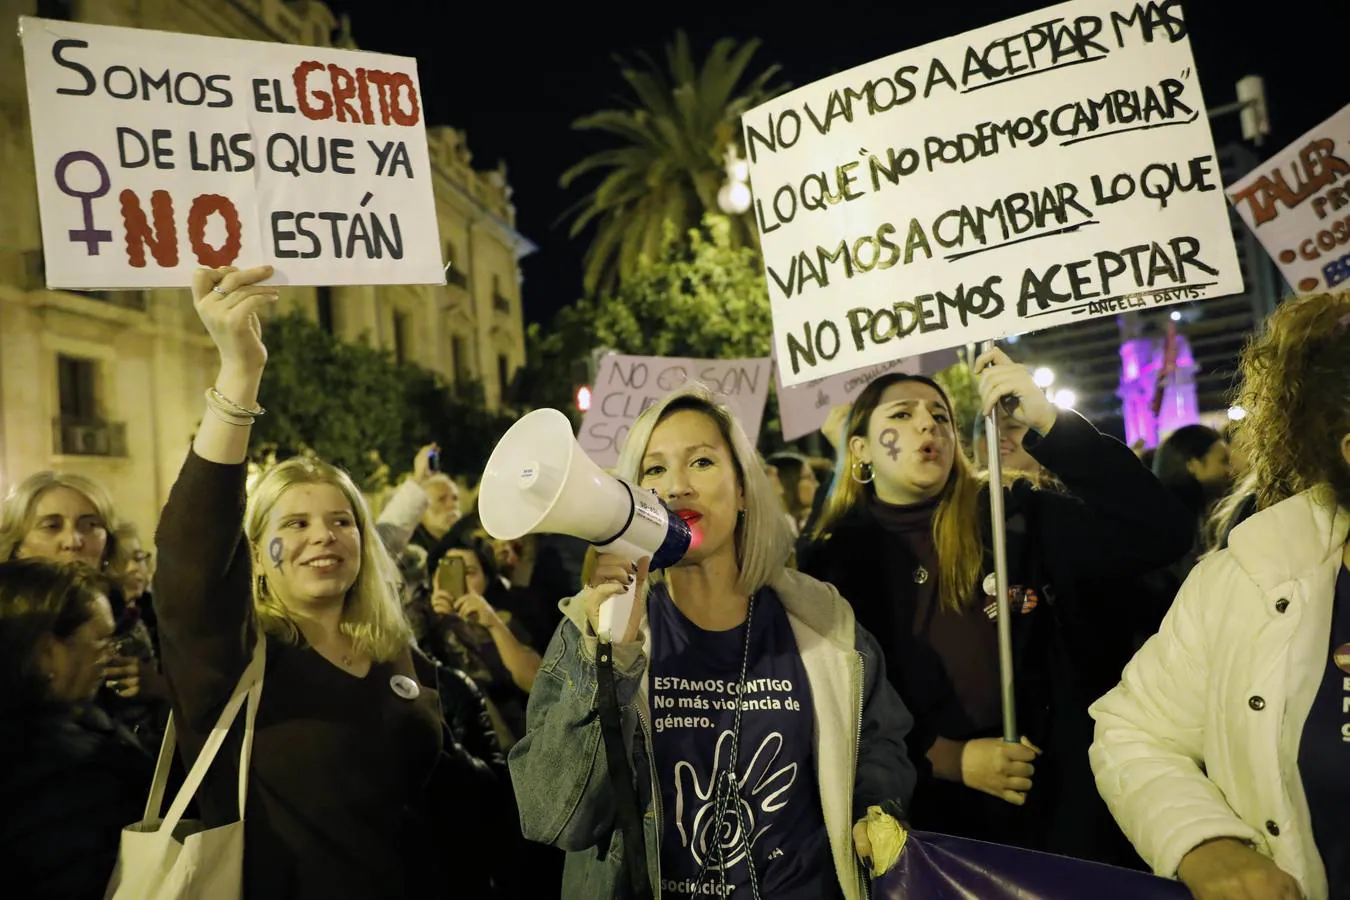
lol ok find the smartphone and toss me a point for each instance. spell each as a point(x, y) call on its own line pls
point(434, 460)
point(450, 576)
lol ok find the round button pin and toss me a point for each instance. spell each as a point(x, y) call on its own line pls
point(405, 687)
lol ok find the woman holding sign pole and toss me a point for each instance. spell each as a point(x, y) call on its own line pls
point(766, 744)
point(905, 536)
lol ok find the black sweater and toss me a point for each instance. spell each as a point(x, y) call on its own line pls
point(1115, 520)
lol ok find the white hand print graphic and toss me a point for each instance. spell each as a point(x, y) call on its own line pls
point(725, 840)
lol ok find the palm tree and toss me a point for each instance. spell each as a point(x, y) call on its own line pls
point(668, 164)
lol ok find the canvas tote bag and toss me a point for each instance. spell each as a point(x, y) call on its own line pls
point(173, 859)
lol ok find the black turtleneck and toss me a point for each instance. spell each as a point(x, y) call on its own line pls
point(951, 679)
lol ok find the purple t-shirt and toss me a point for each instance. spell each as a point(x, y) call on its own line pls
point(1324, 751)
point(694, 677)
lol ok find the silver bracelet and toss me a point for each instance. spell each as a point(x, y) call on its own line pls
point(225, 404)
point(227, 418)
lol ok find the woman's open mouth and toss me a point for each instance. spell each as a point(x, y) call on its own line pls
point(691, 520)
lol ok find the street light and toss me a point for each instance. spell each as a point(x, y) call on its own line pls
point(1236, 414)
point(1064, 398)
point(1044, 377)
point(734, 197)
point(1176, 316)
point(1251, 108)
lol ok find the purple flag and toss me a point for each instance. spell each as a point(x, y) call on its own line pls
point(940, 867)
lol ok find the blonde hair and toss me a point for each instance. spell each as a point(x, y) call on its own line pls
point(16, 513)
point(1296, 390)
point(372, 614)
point(1216, 527)
point(957, 533)
point(763, 541)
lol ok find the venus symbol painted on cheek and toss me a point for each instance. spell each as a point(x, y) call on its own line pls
point(890, 438)
point(274, 550)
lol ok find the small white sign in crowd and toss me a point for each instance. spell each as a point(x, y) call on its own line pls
point(627, 385)
point(158, 153)
point(1298, 204)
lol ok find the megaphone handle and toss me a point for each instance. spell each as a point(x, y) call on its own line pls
point(614, 614)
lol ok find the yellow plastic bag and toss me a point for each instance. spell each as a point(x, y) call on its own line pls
point(887, 837)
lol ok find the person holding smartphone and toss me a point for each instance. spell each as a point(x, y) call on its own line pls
point(479, 634)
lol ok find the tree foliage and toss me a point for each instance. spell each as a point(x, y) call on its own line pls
point(354, 406)
point(964, 391)
point(703, 296)
point(667, 163)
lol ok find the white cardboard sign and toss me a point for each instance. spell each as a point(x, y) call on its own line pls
point(1047, 169)
point(627, 385)
point(157, 153)
point(1298, 204)
point(805, 407)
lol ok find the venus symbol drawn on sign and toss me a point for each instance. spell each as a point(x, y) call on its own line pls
point(90, 236)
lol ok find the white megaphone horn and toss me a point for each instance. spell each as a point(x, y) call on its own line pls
point(540, 481)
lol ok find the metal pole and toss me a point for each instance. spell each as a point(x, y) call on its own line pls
point(998, 523)
point(1230, 108)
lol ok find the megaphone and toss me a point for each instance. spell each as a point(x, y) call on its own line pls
point(539, 481)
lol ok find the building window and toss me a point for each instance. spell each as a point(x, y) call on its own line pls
point(56, 9)
point(503, 372)
point(401, 337)
point(77, 380)
point(499, 301)
point(454, 269)
point(323, 297)
point(459, 349)
point(79, 430)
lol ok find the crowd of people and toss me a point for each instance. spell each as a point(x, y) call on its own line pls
point(822, 665)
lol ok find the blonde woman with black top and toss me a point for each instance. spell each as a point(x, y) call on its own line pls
point(350, 728)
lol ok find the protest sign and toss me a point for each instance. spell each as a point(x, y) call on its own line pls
point(1048, 169)
point(1298, 204)
point(627, 385)
point(805, 407)
point(157, 153)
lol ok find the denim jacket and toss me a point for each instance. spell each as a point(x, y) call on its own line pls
point(558, 768)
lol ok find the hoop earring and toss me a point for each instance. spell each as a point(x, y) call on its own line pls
point(862, 472)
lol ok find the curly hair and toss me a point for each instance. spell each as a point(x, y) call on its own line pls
point(1296, 390)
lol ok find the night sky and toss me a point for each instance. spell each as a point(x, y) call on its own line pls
point(515, 77)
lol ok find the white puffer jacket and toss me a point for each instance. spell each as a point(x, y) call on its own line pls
point(1200, 739)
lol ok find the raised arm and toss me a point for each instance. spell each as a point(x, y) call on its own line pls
point(1117, 516)
point(399, 518)
point(228, 300)
point(1120, 520)
point(203, 594)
